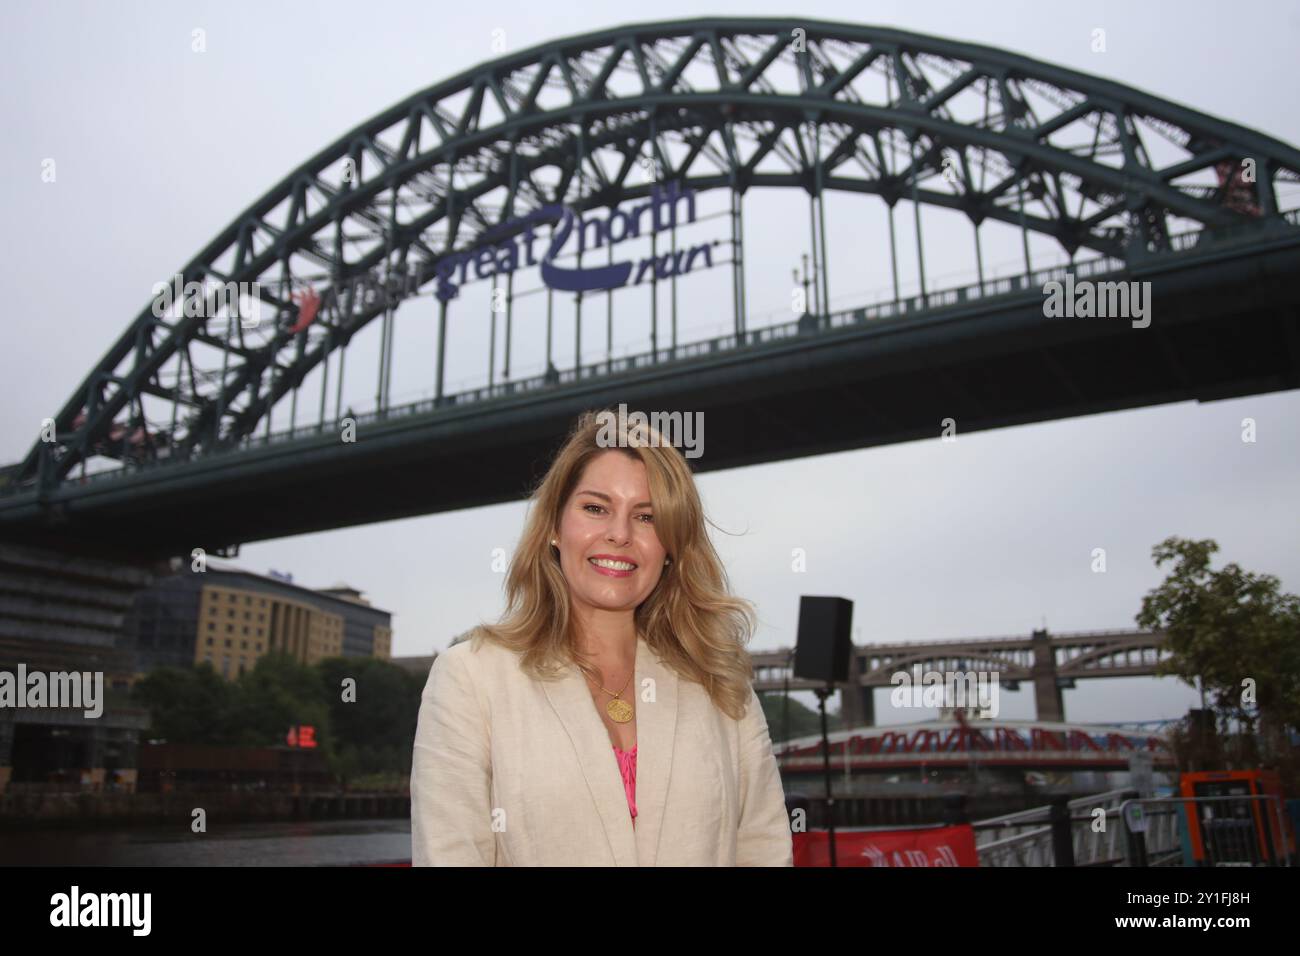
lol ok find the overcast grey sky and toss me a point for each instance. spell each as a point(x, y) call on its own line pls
point(159, 148)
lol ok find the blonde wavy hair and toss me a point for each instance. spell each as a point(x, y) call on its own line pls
point(690, 619)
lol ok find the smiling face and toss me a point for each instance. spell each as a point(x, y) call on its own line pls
point(609, 516)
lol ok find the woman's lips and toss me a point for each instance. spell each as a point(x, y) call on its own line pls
point(611, 572)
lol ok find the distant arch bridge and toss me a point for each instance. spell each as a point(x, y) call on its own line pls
point(1050, 662)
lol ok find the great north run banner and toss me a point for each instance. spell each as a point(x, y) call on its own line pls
point(929, 846)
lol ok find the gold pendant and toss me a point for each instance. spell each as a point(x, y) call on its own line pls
point(619, 710)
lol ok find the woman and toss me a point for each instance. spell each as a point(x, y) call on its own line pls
point(609, 718)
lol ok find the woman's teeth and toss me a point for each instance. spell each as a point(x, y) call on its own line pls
point(613, 565)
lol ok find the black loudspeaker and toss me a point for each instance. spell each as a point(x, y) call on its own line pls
point(823, 647)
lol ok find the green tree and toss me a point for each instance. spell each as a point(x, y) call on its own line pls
point(377, 728)
point(1235, 632)
point(189, 705)
point(279, 693)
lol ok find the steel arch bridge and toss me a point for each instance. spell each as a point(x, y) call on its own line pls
point(592, 121)
point(1049, 663)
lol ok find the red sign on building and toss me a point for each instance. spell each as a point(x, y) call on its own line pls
point(302, 735)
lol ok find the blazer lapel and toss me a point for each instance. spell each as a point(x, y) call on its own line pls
point(656, 722)
point(656, 728)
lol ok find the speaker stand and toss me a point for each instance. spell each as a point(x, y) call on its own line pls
point(822, 694)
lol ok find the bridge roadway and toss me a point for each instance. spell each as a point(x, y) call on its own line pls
point(1225, 322)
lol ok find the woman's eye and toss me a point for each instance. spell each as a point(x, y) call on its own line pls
point(601, 508)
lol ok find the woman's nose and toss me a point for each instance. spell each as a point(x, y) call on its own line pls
point(619, 530)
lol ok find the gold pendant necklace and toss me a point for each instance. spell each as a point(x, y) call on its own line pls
point(619, 710)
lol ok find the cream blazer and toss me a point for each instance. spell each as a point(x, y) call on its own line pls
point(510, 771)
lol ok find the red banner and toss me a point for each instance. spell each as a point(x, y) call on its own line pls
point(930, 846)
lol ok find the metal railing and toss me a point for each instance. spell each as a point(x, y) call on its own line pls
point(1119, 828)
point(805, 325)
point(1031, 837)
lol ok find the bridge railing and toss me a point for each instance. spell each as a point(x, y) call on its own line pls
point(805, 325)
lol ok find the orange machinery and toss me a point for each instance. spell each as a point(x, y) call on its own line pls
point(1237, 832)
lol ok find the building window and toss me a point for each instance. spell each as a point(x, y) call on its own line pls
point(231, 613)
point(232, 597)
point(230, 628)
point(212, 626)
point(248, 599)
point(243, 645)
point(227, 642)
point(209, 642)
point(245, 628)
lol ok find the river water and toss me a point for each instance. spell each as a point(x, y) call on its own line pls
point(312, 843)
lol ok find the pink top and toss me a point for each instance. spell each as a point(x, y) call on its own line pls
point(627, 767)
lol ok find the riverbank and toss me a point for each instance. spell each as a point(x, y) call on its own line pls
point(97, 810)
point(293, 844)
